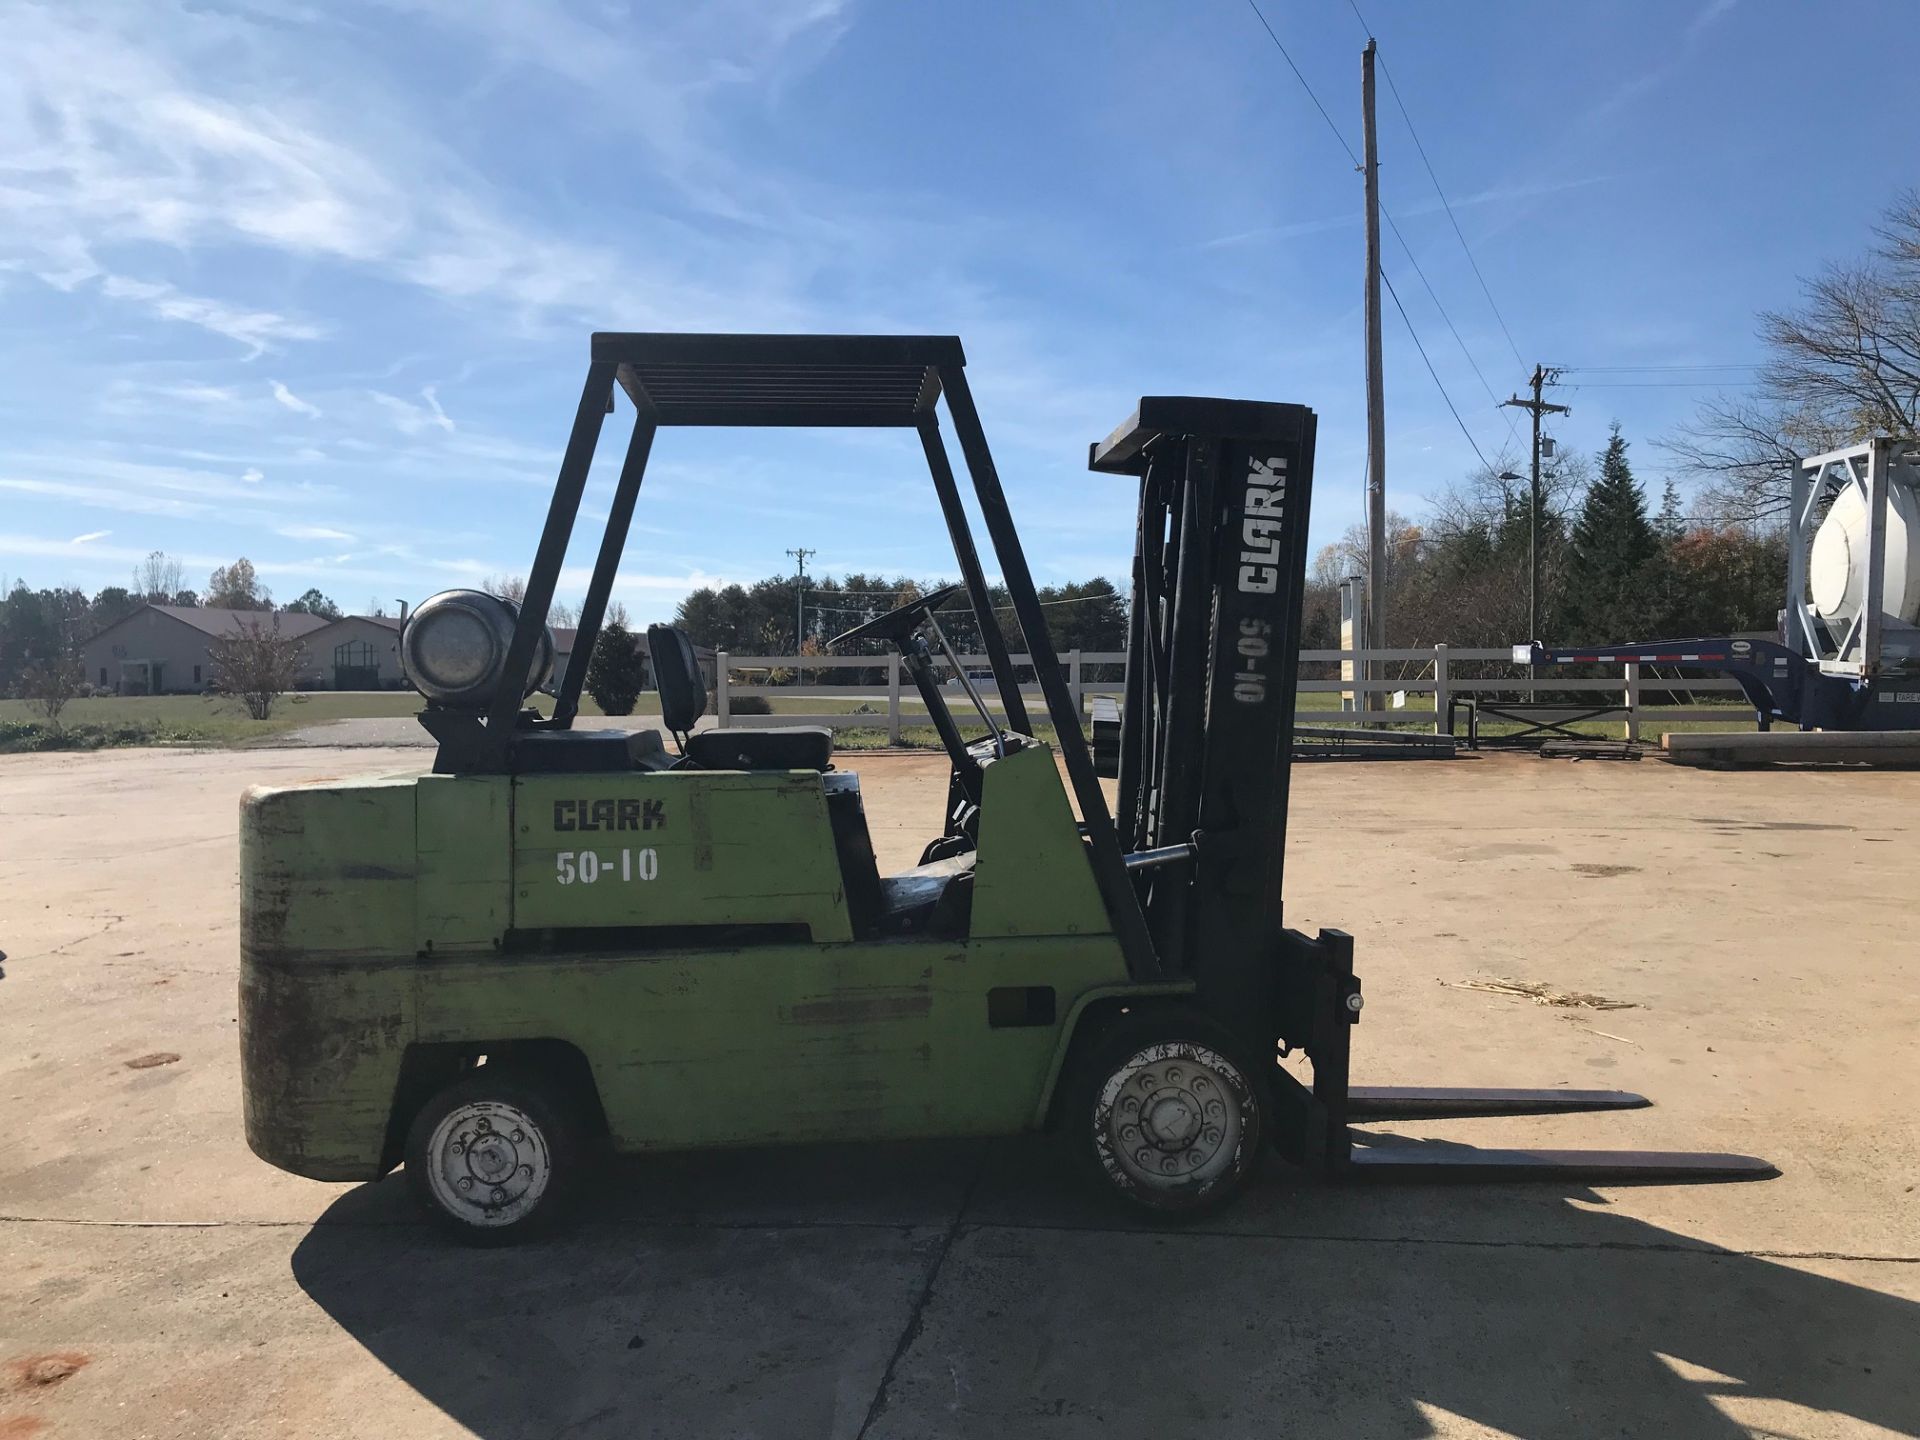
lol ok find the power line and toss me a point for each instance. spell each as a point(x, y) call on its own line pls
point(1654, 369)
point(1430, 370)
point(1663, 384)
point(1472, 363)
point(1253, 5)
point(1445, 203)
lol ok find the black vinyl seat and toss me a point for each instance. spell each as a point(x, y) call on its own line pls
point(683, 700)
point(572, 752)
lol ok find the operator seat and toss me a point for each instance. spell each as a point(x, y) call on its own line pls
point(683, 700)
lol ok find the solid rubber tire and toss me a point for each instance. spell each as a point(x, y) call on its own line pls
point(1120, 1044)
point(542, 1103)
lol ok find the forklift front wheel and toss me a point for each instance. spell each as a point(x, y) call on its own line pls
point(495, 1157)
point(1168, 1114)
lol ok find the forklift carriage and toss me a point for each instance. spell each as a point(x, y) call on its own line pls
point(564, 940)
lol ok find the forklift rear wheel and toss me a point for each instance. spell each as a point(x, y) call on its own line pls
point(1169, 1115)
point(495, 1157)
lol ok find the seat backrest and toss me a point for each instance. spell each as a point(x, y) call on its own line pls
point(676, 674)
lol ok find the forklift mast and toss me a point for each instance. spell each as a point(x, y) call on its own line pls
point(1207, 723)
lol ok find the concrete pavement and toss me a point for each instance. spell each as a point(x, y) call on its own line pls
point(157, 1280)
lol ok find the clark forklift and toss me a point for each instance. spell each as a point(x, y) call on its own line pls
point(564, 941)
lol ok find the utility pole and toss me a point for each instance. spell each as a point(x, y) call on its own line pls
point(1542, 377)
point(1376, 618)
point(800, 598)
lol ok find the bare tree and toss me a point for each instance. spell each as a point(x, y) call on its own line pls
point(1843, 366)
point(514, 588)
point(158, 578)
point(255, 663)
point(50, 684)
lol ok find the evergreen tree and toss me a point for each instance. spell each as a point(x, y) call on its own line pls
point(616, 671)
point(1610, 593)
point(1670, 524)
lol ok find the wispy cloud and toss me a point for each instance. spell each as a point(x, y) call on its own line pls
point(1493, 195)
point(256, 329)
point(311, 532)
point(412, 419)
point(90, 537)
point(433, 404)
point(293, 402)
point(1712, 12)
point(251, 476)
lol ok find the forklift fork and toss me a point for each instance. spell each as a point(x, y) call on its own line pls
point(1360, 1155)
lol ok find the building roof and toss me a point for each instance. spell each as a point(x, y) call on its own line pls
point(221, 622)
point(379, 622)
point(225, 622)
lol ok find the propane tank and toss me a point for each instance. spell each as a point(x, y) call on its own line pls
point(454, 648)
point(1837, 562)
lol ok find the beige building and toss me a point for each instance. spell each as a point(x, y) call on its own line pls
point(162, 649)
point(355, 652)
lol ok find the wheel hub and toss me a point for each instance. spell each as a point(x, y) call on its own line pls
point(489, 1163)
point(1173, 1116)
point(1170, 1118)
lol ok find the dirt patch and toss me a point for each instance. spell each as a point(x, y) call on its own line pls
point(147, 1062)
point(20, 1427)
point(1541, 994)
point(37, 1372)
point(1600, 872)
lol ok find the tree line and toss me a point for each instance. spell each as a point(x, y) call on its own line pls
point(1611, 571)
point(46, 627)
point(789, 615)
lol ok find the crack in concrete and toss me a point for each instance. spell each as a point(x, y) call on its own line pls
point(958, 1226)
point(916, 1316)
point(106, 928)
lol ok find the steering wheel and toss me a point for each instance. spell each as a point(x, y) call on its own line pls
point(896, 625)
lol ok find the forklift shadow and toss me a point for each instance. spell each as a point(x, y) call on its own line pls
point(966, 1289)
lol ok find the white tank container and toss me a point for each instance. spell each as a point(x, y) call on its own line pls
point(1837, 562)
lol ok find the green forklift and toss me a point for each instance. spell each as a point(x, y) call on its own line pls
point(567, 942)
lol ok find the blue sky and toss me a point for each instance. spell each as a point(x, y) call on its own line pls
point(312, 282)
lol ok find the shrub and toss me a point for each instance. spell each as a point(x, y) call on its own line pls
point(50, 684)
point(255, 663)
point(749, 705)
point(615, 672)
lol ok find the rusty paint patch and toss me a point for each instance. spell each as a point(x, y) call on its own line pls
point(861, 1010)
point(147, 1062)
point(36, 1372)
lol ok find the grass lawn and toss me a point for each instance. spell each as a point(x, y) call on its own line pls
point(209, 720)
point(212, 720)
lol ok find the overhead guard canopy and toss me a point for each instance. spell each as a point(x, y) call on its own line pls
point(802, 380)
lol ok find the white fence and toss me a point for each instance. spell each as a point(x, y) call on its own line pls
point(1400, 696)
